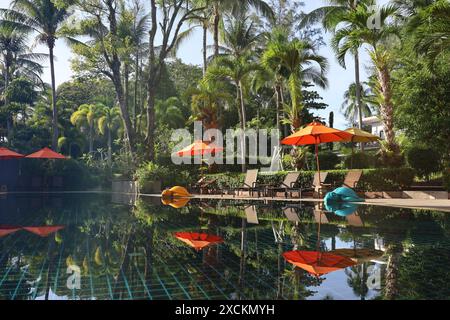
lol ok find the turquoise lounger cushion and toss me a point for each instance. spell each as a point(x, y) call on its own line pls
point(340, 201)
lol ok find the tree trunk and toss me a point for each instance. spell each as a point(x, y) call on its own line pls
point(126, 84)
point(278, 102)
point(392, 272)
point(136, 92)
point(387, 108)
point(91, 138)
point(216, 29)
point(358, 94)
point(54, 110)
point(9, 124)
point(109, 148)
point(243, 125)
point(151, 121)
point(205, 33)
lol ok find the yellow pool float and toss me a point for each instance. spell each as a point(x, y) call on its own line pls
point(176, 197)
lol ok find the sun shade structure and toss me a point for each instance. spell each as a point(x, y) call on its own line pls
point(316, 133)
point(199, 148)
point(5, 230)
point(6, 154)
point(318, 263)
point(43, 231)
point(359, 135)
point(46, 153)
point(198, 241)
point(358, 255)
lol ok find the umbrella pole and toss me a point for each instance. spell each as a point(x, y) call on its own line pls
point(317, 160)
point(351, 161)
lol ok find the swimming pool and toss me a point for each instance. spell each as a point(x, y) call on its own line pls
point(95, 246)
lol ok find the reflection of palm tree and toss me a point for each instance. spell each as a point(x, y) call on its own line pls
point(394, 252)
point(357, 280)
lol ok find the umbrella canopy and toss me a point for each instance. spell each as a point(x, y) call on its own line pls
point(359, 135)
point(5, 230)
point(46, 153)
point(199, 148)
point(316, 262)
point(5, 154)
point(196, 240)
point(43, 231)
point(358, 255)
point(316, 133)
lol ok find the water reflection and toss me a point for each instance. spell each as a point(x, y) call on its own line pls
point(129, 251)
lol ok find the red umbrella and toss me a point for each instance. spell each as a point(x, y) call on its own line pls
point(316, 262)
point(199, 148)
point(44, 231)
point(5, 154)
point(5, 230)
point(198, 240)
point(46, 153)
point(316, 133)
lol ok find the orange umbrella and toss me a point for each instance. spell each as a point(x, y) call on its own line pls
point(46, 153)
point(5, 154)
point(198, 240)
point(317, 263)
point(5, 230)
point(198, 148)
point(316, 133)
point(44, 231)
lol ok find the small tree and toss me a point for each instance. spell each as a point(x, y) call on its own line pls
point(424, 160)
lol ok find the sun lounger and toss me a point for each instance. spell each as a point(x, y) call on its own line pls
point(203, 185)
point(252, 216)
point(288, 185)
point(291, 214)
point(352, 179)
point(320, 216)
point(354, 220)
point(250, 183)
point(316, 187)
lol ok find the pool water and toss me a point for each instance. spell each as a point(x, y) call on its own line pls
point(99, 246)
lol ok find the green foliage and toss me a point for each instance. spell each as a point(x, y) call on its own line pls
point(151, 172)
point(328, 160)
point(371, 180)
point(446, 179)
point(360, 160)
point(423, 159)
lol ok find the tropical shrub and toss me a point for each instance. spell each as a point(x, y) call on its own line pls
point(151, 172)
point(328, 160)
point(423, 159)
point(359, 160)
point(372, 179)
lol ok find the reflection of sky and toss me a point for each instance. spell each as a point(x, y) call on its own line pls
point(334, 284)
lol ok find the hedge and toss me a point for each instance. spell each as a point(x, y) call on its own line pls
point(386, 179)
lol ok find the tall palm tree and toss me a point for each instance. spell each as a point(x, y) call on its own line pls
point(109, 121)
point(86, 117)
point(237, 71)
point(297, 61)
point(350, 107)
point(16, 58)
point(378, 41)
point(44, 18)
point(236, 7)
point(331, 17)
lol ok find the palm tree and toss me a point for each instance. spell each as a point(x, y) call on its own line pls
point(237, 71)
point(297, 61)
point(109, 121)
point(207, 102)
point(169, 112)
point(431, 30)
point(17, 59)
point(331, 17)
point(377, 41)
point(44, 18)
point(350, 107)
point(236, 7)
point(85, 117)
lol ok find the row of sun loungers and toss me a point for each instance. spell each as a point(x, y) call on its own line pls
point(290, 186)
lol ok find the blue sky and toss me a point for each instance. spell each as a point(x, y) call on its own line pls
point(190, 52)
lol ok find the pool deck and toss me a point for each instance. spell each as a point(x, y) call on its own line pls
point(438, 204)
